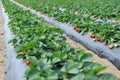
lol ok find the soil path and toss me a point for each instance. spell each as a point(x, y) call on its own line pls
point(2, 48)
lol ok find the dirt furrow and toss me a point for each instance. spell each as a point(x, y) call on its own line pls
point(2, 47)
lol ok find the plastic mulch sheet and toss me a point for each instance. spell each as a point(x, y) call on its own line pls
point(15, 68)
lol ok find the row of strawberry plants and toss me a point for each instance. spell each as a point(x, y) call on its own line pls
point(102, 8)
point(103, 30)
point(46, 52)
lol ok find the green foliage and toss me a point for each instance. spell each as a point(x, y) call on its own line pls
point(51, 58)
point(79, 12)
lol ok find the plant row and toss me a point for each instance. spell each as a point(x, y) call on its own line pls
point(85, 16)
point(45, 50)
point(102, 8)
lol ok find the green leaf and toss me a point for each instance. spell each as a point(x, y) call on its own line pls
point(63, 69)
point(26, 46)
point(73, 71)
point(55, 60)
point(57, 54)
point(70, 67)
point(32, 72)
point(93, 68)
point(19, 56)
point(79, 76)
point(91, 77)
point(86, 58)
point(53, 77)
point(107, 76)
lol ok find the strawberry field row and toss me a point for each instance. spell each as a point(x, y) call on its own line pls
point(45, 51)
point(80, 13)
point(102, 8)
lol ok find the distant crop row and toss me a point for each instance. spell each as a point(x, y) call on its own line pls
point(101, 8)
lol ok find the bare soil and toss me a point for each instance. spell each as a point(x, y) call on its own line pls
point(110, 67)
point(2, 48)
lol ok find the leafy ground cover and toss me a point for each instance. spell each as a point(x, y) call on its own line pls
point(89, 16)
point(44, 49)
point(102, 8)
